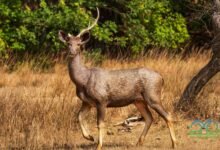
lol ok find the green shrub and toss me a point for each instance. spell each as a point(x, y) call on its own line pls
point(129, 25)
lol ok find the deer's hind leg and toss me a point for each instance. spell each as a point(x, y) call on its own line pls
point(82, 112)
point(153, 99)
point(146, 114)
point(167, 117)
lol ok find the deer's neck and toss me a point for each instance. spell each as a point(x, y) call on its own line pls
point(79, 74)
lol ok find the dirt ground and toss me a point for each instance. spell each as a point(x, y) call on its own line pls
point(157, 138)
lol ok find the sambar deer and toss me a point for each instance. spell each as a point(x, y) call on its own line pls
point(102, 88)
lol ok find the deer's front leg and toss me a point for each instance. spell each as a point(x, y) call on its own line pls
point(83, 111)
point(100, 123)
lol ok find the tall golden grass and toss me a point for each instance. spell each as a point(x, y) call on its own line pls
point(38, 110)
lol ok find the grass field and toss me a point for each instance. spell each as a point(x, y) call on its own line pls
point(38, 110)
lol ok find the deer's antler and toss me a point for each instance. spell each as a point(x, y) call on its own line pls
point(90, 26)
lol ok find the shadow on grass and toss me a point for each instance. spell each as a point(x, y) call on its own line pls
point(71, 146)
point(107, 145)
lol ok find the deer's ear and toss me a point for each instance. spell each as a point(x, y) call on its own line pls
point(63, 36)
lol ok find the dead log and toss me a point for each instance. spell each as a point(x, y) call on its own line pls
point(130, 122)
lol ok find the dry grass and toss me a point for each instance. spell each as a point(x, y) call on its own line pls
point(38, 110)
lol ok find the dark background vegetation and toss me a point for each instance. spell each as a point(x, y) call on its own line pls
point(125, 28)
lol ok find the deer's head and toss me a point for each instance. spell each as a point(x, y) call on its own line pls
point(75, 42)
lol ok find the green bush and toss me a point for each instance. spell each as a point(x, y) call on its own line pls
point(129, 25)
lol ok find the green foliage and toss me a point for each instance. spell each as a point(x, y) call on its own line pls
point(130, 25)
point(34, 30)
point(155, 23)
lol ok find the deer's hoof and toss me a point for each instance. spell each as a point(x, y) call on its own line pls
point(99, 147)
point(139, 143)
point(90, 138)
point(174, 145)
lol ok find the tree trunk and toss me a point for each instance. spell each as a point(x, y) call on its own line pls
point(198, 82)
point(207, 72)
